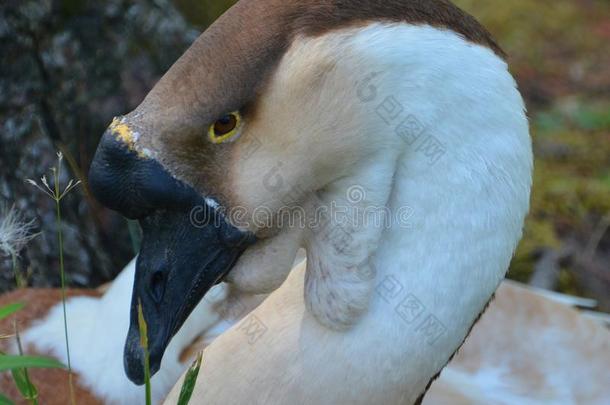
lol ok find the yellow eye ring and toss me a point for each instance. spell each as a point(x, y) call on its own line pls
point(226, 128)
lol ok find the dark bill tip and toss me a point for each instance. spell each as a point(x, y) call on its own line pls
point(181, 257)
point(177, 266)
point(133, 359)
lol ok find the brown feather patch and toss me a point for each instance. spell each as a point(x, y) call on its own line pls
point(230, 64)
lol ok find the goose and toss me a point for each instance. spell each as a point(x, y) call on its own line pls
point(387, 138)
point(531, 346)
point(98, 325)
point(530, 349)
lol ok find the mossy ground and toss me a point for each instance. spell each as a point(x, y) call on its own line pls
point(559, 50)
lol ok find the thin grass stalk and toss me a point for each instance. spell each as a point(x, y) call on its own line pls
point(21, 277)
point(147, 378)
point(57, 195)
point(62, 273)
point(63, 297)
point(16, 270)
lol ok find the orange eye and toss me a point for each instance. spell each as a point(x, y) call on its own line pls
point(225, 128)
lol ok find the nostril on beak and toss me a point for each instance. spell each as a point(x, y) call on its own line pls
point(157, 286)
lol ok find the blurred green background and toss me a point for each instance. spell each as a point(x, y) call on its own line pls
point(69, 66)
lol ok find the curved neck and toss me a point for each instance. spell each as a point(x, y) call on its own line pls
point(404, 294)
point(452, 174)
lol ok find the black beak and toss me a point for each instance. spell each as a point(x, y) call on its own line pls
point(187, 245)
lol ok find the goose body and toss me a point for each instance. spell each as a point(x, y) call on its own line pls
point(98, 324)
point(530, 347)
point(404, 107)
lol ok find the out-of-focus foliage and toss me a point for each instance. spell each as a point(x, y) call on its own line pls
point(556, 47)
point(559, 50)
point(68, 67)
point(201, 12)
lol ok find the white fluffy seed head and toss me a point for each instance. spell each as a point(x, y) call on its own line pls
point(15, 231)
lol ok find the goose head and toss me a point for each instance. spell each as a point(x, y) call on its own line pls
point(278, 104)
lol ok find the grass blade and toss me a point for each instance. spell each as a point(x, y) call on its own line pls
point(143, 327)
point(10, 362)
point(10, 309)
point(5, 401)
point(24, 385)
point(189, 381)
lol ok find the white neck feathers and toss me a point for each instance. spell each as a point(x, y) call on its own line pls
point(454, 171)
point(434, 130)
